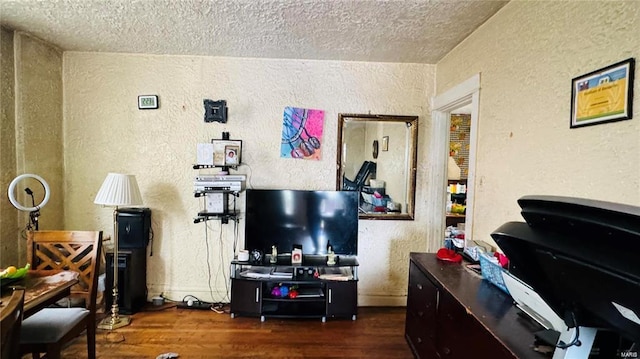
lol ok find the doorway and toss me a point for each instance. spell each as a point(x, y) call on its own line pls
point(464, 95)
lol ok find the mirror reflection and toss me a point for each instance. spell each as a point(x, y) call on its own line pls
point(377, 157)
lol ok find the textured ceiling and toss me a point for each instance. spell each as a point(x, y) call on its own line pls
point(419, 31)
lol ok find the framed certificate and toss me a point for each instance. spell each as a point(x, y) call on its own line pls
point(604, 95)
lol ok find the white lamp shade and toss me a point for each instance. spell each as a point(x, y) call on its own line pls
point(453, 170)
point(119, 190)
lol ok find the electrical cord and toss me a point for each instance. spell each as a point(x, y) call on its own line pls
point(249, 185)
point(575, 341)
point(206, 238)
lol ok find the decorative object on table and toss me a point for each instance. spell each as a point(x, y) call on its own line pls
point(243, 255)
point(604, 95)
point(11, 274)
point(117, 190)
point(148, 102)
point(256, 256)
point(448, 255)
point(331, 256)
point(296, 256)
point(274, 254)
point(34, 210)
point(301, 133)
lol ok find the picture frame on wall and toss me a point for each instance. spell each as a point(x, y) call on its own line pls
point(604, 95)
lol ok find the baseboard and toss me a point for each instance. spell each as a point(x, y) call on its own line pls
point(382, 301)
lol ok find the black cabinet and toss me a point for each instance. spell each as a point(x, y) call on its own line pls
point(256, 290)
point(132, 280)
point(342, 299)
point(246, 297)
point(134, 228)
point(453, 313)
point(420, 324)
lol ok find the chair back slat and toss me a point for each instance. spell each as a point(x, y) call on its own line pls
point(77, 251)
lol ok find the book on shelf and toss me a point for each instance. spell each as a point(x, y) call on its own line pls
point(310, 293)
point(267, 273)
point(283, 271)
point(336, 273)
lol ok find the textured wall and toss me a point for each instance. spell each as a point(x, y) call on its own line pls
point(527, 55)
point(39, 122)
point(32, 133)
point(104, 131)
point(8, 214)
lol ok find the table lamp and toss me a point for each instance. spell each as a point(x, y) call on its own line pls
point(117, 190)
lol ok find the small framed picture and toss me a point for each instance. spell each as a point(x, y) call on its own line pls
point(147, 102)
point(231, 155)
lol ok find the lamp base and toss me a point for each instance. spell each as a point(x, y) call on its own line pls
point(110, 323)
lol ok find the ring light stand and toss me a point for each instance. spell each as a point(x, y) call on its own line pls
point(34, 210)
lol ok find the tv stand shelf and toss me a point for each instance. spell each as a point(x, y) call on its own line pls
point(257, 288)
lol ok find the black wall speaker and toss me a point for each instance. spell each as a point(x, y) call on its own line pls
point(134, 227)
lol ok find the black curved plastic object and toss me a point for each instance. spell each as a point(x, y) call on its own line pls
point(580, 256)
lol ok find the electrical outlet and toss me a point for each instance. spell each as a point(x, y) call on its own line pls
point(194, 305)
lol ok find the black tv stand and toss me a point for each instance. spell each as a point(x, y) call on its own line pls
point(322, 291)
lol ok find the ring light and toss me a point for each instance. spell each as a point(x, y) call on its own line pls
point(12, 196)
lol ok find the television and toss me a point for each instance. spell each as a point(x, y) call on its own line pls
point(311, 219)
point(580, 256)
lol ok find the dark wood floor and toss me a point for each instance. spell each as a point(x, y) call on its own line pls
point(377, 333)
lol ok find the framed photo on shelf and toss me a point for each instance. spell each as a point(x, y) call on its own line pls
point(604, 95)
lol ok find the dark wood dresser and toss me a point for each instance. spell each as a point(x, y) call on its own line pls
point(453, 313)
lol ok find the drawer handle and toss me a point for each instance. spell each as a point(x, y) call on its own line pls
point(419, 340)
point(419, 286)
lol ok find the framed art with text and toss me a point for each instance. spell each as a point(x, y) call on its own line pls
point(604, 95)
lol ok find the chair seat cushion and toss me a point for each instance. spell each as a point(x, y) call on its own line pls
point(50, 324)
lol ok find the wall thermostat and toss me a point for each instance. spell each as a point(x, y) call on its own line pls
point(147, 102)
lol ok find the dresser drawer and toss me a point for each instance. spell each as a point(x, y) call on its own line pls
point(422, 302)
point(460, 335)
point(422, 293)
point(422, 344)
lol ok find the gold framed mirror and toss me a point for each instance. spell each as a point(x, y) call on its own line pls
point(384, 176)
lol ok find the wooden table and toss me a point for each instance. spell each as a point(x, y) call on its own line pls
point(43, 288)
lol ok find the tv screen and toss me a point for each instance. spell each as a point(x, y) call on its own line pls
point(311, 219)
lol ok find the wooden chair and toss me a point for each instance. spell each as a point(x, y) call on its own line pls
point(11, 319)
point(49, 329)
